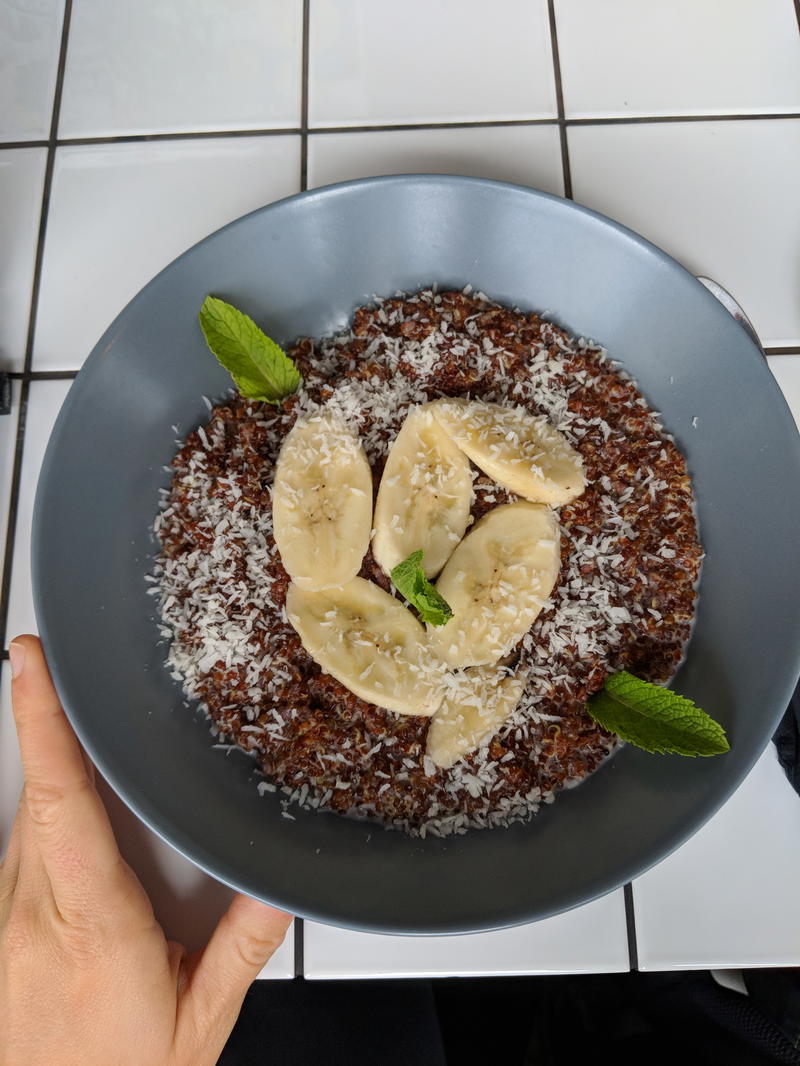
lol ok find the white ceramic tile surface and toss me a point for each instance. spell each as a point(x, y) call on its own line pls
point(728, 897)
point(528, 155)
point(8, 441)
point(719, 196)
point(152, 66)
point(21, 180)
point(30, 39)
point(44, 403)
point(121, 212)
point(590, 939)
point(685, 57)
point(187, 902)
point(452, 60)
point(786, 369)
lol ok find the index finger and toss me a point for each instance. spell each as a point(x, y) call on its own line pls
point(72, 829)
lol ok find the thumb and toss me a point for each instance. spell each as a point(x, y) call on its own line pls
point(245, 939)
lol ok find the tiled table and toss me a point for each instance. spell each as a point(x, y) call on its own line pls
point(130, 130)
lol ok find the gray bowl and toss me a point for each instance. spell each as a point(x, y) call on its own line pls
point(301, 267)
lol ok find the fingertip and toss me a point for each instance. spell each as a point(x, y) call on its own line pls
point(17, 654)
point(25, 654)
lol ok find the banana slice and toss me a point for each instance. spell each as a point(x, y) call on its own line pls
point(521, 451)
point(322, 502)
point(476, 703)
point(497, 581)
point(369, 641)
point(424, 497)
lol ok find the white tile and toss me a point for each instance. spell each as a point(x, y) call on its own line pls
point(44, 402)
point(21, 181)
point(529, 155)
point(30, 39)
point(719, 196)
point(685, 57)
point(381, 63)
point(121, 212)
point(156, 66)
point(728, 897)
point(786, 369)
point(8, 441)
point(187, 902)
point(590, 939)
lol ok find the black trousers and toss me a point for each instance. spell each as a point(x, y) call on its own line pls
point(626, 1019)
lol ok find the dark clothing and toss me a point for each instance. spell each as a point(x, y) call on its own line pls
point(627, 1019)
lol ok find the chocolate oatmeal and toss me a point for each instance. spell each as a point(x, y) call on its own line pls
point(624, 598)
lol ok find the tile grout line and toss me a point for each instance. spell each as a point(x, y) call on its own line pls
point(299, 948)
point(48, 181)
point(43, 375)
point(4, 145)
point(301, 131)
point(630, 925)
point(641, 120)
point(299, 940)
point(13, 508)
point(16, 475)
point(304, 98)
point(562, 127)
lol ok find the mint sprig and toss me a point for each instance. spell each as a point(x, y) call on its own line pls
point(259, 366)
point(409, 579)
point(655, 718)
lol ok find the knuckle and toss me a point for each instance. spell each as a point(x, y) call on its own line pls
point(44, 803)
point(254, 949)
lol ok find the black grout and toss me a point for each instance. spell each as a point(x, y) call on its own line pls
point(305, 131)
point(299, 955)
point(314, 131)
point(562, 128)
point(299, 940)
point(48, 181)
point(640, 120)
point(191, 135)
point(13, 507)
point(304, 98)
point(786, 349)
point(299, 958)
point(42, 375)
point(23, 144)
point(16, 476)
point(630, 925)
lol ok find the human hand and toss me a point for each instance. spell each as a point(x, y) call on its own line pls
point(86, 974)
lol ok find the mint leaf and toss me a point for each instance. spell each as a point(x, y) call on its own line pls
point(259, 366)
point(409, 579)
point(656, 719)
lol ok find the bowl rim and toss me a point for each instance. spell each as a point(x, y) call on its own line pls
point(147, 811)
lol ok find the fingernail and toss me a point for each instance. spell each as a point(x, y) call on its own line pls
point(16, 655)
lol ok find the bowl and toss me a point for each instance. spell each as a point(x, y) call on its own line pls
point(301, 267)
